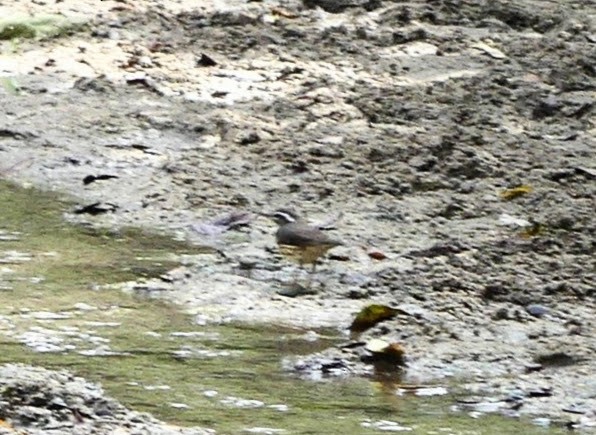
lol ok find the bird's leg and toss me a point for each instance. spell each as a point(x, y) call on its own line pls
point(297, 273)
point(310, 276)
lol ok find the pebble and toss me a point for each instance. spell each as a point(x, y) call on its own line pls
point(157, 387)
point(542, 421)
point(431, 391)
point(489, 407)
point(264, 430)
point(537, 310)
point(279, 407)
point(84, 307)
point(532, 367)
point(386, 426)
point(241, 403)
point(501, 314)
point(47, 315)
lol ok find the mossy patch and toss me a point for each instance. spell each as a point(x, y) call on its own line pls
point(10, 85)
point(39, 27)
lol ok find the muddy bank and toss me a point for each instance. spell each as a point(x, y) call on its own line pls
point(409, 118)
point(39, 401)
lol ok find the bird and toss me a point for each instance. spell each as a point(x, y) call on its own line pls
point(300, 241)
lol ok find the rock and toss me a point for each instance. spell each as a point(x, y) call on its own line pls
point(337, 6)
point(358, 293)
point(489, 407)
point(537, 310)
point(248, 138)
point(385, 426)
point(37, 401)
point(540, 392)
point(206, 60)
point(501, 314)
point(320, 150)
point(491, 51)
point(532, 367)
point(431, 391)
point(556, 359)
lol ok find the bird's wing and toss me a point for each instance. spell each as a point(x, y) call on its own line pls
point(304, 236)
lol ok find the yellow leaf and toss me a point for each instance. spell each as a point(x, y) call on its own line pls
point(509, 194)
point(532, 231)
point(370, 315)
point(385, 355)
point(5, 424)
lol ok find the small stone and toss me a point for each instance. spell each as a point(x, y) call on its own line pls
point(516, 395)
point(248, 262)
point(532, 367)
point(556, 359)
point(431, 391)
point(238, 402)
point(546, 107)
point(264, 430)
point(209, 142)
point(157, 387)
point(536, 310)
point(48, 315)
point(422, 163)
point(84, 307)
point(279, 407)
point(469, 400)
point(247, 138)
point(491, 51)
point(145, 61)
point(338, 6)
point(205, 60)
point(58, 402)
point(541, 392)
point(377, 255)
point(501, 314)
point(320, 150)
point(541, 421)
point(332, 140)
point(358, 293)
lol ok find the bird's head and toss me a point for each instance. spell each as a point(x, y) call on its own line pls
point(284, 216)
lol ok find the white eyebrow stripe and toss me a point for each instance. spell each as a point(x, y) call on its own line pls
point(288, 217)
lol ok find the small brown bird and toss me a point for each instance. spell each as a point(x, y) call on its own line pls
point(300, 241)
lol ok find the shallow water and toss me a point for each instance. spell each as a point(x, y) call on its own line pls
point(57, 312)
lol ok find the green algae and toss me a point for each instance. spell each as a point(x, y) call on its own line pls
point(40, 27)
point(151, 369)
point(10, 85)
